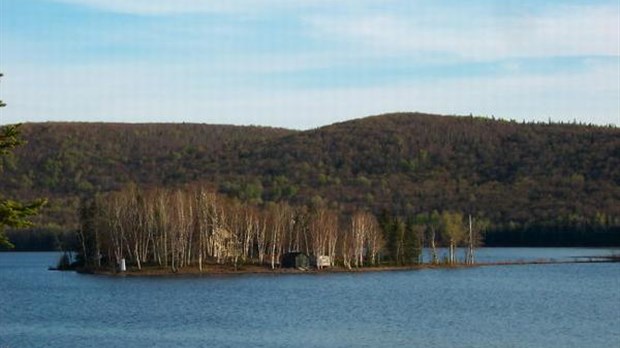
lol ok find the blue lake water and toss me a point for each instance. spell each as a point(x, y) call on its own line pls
point(563, 305)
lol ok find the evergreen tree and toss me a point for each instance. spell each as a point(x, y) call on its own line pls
point(87, 234)
point(386, 221)
point(394, 231)
point(13, 213)
point(400, 230)
point(412, 243)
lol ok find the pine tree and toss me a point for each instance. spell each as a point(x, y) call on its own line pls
point(13, 213)
point(412, 243)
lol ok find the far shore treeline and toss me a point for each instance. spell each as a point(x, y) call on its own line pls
point(537, 184)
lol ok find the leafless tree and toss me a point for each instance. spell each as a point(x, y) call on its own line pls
point(193, 226)
point(474, 237)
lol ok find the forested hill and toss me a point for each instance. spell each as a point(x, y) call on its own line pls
point(66, 161)
point(74, 158)
point(411, 162)
point(520, 176)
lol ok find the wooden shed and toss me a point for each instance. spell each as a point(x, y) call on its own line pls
point(321, 261)
point(295, 260)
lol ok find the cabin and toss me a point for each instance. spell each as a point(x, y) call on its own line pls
point(295, 260)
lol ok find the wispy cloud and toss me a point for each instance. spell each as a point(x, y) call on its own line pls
point(114, 93)
point(167, 7)
point(304, 64)
point(158, 7)
point(564, 31)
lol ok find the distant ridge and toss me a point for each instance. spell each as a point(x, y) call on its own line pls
point(517, 174)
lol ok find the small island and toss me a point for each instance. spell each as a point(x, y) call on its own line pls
point(194, 231)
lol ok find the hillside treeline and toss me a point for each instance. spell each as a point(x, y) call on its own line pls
point(548, 184)
point(513, 173)
point(193, 226)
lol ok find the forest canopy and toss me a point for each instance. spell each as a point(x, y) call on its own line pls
point(536, 183)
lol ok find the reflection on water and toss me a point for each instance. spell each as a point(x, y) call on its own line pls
point(567, 305)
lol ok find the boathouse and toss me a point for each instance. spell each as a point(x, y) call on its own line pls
point(295, 260)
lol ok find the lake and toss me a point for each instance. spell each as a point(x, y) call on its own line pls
point(560, 305)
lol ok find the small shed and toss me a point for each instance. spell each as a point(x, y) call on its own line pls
point(295, 260)
point(321, 261)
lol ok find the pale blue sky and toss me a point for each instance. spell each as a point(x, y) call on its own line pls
point(303, 64)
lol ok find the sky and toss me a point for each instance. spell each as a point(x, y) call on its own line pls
point(304, 64)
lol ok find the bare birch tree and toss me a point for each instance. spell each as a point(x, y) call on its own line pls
point(476, 228)
point(193, 226)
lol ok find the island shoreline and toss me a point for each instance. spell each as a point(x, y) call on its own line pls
point(214, 270)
